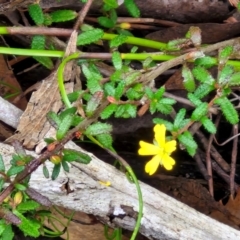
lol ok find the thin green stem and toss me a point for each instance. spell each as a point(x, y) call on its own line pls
point(60, 75)
point(138, 41)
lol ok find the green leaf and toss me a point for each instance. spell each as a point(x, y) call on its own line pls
point(119, 90)
point(120, 111)
point(71, 155)
point(132, 8)
point(98, 128)
point(164, 108)
point(13, 170)
point(188, 79)
point(38, 42)
point(167, 101)
point(224, 54)
point(200, 111)
point(56, 171)
point(135, 92)
point(8, 233)
point(74, 96)
point(65, 166)
point(228, 110)
point(208, 124)
point(203, 90)
point(206, 62)
point(203, 75)
point(109, 88)
point(52, 116)
point(131, 110)
point(93, 79)
point(168, 125)
point(64, 126)
point(45, 61)
point(108, 111)
point(93, 103)
point(177, 44)
point(186, 139)
point(179, 118)
point(28, 226)
point(153, 107)
point(131, 78)
point(196, 101)
point(68, 111)
point(2, 165)
point(20, 187)
point(90, 36)
point(105, 139)
point(63, 15)
point(36, 13)
point(1, 183)
point(45, 172)
point(225, 74)
point(28, 206)
point(111, 3)
point(106, 22)
point(117, 60)
point(47, 19)
point(118, 40)
point(159, 93)
point(150, 93)
point(234, 79)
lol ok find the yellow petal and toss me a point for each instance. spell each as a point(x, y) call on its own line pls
point(147, 149)
point(168, 162)
point(152, 165)
point(160, 132)
point(170, 146)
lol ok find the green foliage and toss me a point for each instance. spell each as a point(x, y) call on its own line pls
point(94, 102)
point(196, 101)
point(224, 54)
point(28, 206)
point(63, 15)
point(118, 40)
point(30, 227)
point(36, 13)
point(208, 124)
point(106, 22)
point(177, 44)
point(225, 75)
point(206, 62)
point(228, 110)
point(186, 139)
point(93, 78)
point(56, 170)
point(179, 118)
point(90, 36)
point(234, 79)
point(98, 128)
point(7, 233)
point(188, 79)
point(135, 92)
point(119, 90)
point(70, 155)
point(64, 126)
point(111, 3)
point(203, 90)
point(168, 125)
point(200, 111)
point(132, 8)
point(132, 77)
point(126, 111)
point(45, 171)
point(13, 170)
point(105, 139)
point(202, 75)
point(108, 111)
point(2, 165)
point(117, 60)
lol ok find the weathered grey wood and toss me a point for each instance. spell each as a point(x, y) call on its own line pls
point(163, 218)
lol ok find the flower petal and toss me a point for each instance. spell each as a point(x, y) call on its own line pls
point(168, 162)
point(170, 146)
point(147, 149)
point(152, 165)
point(160, 132)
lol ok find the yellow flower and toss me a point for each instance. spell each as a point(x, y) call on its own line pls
point(160, 149)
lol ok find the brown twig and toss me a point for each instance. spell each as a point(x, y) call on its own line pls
point(209, 166)
point(234, 159)
point(34, 164)
point(82, 14)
